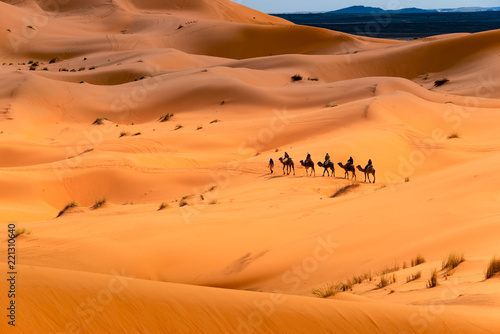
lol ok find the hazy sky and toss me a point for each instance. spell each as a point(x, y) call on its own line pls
point(290, 6)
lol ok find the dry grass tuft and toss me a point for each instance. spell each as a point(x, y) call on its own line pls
point(100, 121)
point(165, 117)
point(418, 260)
point(98, 203)
point(343, 190)
point(163, 206)
point(454, 135)
point(67, 207)
point(493, 267)
point(440, 82)
point(414, 277)
point(452, 262)
point(432, 282)
point(331, 105)
point(296, 77)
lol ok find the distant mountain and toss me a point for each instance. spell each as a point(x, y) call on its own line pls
point(377, 10)
point(469, 9)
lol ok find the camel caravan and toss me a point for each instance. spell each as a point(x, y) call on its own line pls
point(327, 165)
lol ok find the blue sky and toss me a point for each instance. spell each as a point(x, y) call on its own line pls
point(289, 6)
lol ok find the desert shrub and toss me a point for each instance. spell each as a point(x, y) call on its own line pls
point(163, 206)
point(328, 290)
point(20, 231)
point(432, 282)
point(414, 277)
point(453, 261)
point(493, 267)
point(331, 105)
point(68, 206)
point(454, 135)
point(342, 190)
point(440, 82)
point(296, 77)
point(178, 126)
point(165, 117)
point(100, 121)
point(123, 134)
point(98, 203)
point(419, 259)
point(384, 281)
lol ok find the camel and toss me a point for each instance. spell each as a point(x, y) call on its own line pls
point(348, 168)
point(367, 171)
point(328, 165)
point(308, 164)
point(288, 163)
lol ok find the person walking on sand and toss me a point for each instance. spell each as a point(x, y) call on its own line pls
point(271, 165)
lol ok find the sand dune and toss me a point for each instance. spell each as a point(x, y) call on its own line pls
point(232, 237)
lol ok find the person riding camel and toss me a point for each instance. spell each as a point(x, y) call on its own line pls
point(308, 156)
point(350, 161)
point(369, 164)
point(286, 156)
point(327, 159)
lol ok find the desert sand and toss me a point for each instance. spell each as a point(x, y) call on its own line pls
point(237, 249)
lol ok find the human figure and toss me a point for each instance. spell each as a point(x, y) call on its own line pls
point(327, 159)
point(271, 165)
point(286, 156)
point(350, 161)
point(369, 164)
point(308, 156)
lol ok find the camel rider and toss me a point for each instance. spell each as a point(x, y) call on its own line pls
point(308, 156)
point(369, 164)
point(271, 165)
point(350, 161)
point(327, 159)
point(286, 156)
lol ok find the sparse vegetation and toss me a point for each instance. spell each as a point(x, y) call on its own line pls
point(68, 206)
point(432, 282)
point(328, 290)
point(440, 82)
point(388, 270)
point(124, 31)
point(137, 134)
point(213, 202)
point(165, 117)
point(63, 70)
point(20, 231)
point(223, 102)
point(178, 126)
point(407, 179)
point(31, 27)
point(417, 260)
point(100, 121)
point(454, 135)
point(182, 203)
point(215, 121)
point(180, 26)
point(296, 77)
point(384, 281)
point(98, 203)
point(163, 206)
point(414, 277)
point(199, 127)
point(453, 261)
point(9, 30)
point(123, 134)
point(331, 105)
point(342, 190)
point(493, 267)
point(82, 69)
point(313, 79)
point(45, 69)
point(55, 60)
